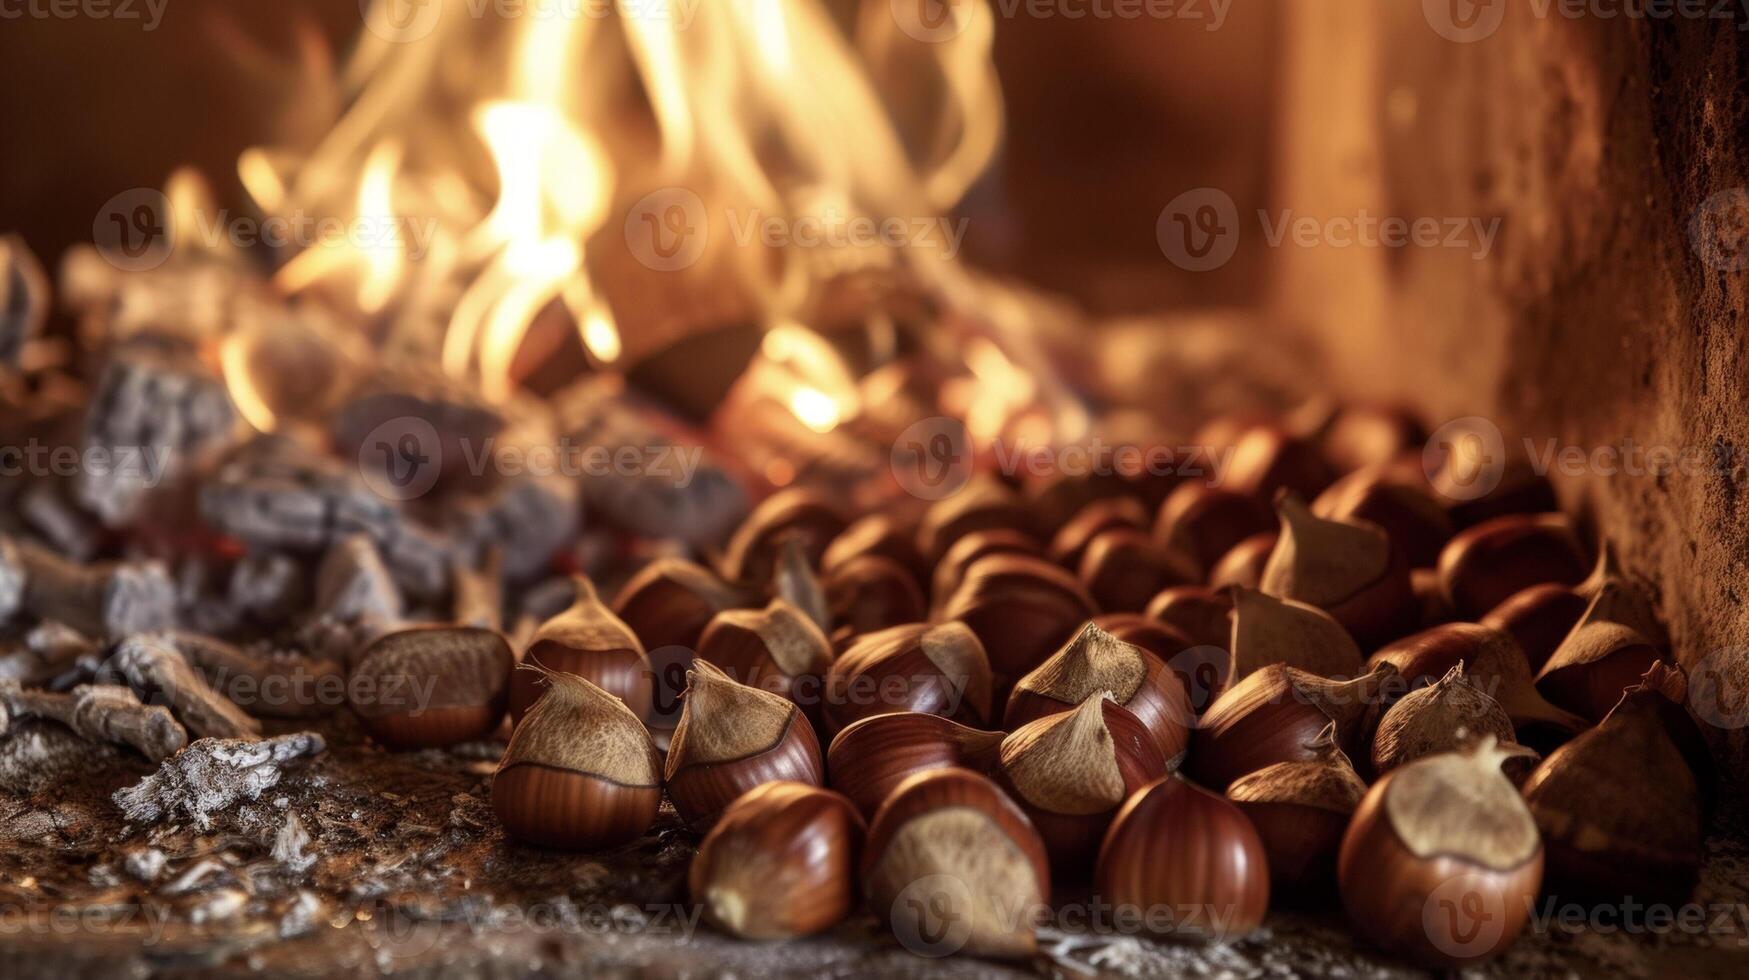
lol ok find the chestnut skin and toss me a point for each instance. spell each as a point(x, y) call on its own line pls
point(1442, 911)
point(1175, 845)
point(780, 863)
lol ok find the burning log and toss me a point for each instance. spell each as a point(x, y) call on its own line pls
point(159, 410)
point(393, 396)
point(24, 291)
point(273, 494)
point(99, 712)
point(672, 487)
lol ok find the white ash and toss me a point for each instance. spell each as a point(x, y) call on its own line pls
point(220, 906)
point(36, 755)
point(302, 915)
point(288, 846)
point(195, 877)
point(211, 774)
point(145, 863)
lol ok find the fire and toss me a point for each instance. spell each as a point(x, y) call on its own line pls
point(523, 140)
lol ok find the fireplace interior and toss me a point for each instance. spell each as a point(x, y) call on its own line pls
point(964, 488)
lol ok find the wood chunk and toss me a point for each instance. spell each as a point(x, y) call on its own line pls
point(99, 712)
point(152, 665)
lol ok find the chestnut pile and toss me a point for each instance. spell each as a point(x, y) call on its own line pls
point(1327, 676)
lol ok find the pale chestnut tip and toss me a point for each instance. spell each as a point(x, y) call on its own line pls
point(1443, 861)
point(950, 848)
point(780, 863)
point(1622, 807)
point(580, 772)
point(1269, 630)
point(731, 738)
point(1070, 771)
point(1440, 717)
point(587, 640)
point(1346, 568)
point(1095, 661)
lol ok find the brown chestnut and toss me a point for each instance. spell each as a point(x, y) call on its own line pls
point(590, 641)
point(670, 601)
point(1275, 714)
point(1072, 539)
point(1485, 565)
point(580, 772)
point(983, 504)
point(1096, 662)
point(936, 669)
point(869, 593)
point(808, 516)
point(1620, 806)
point(1204, 522)
point(775, 649)
point(968, 550)
point(1069, 771)
point(1243, 565)
point(1347, 569)
point(1300, 810)
point(1021, 608)
point(952, 865)
point(1175, 846)
point(871, 757)
point(780, 863)
point(1123, 568)
point(731, 738)
point(1203, 614)
point(1442, 860)
point(1415, 522)
point(430, 686)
